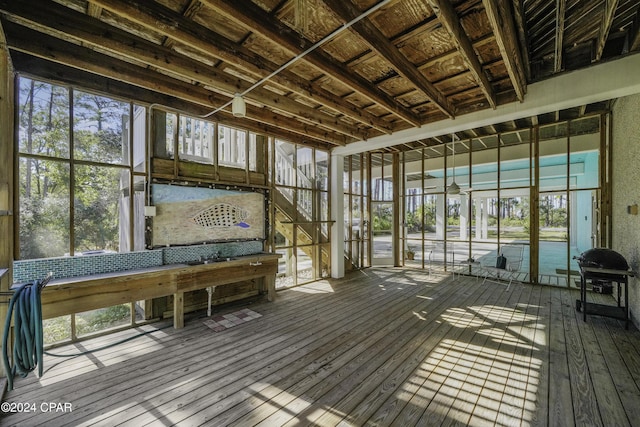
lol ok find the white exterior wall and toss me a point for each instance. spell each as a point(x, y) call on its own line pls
point(626, 189)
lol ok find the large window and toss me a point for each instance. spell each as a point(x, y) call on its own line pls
point(537, 188)
point(300, 221)
point(77, 165)
point(202, 141)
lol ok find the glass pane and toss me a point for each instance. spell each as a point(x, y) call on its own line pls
point(325, 268)
point(584, 223)
point(484, 216)
point(382, 214)
point(434, 181)
point(484, 167)
point(139, 138)
point(44, 208)
point(196, 140)
point(304, 163)
point(584, 156)
point(429, 215)
point(43, 119)
point(284, 163)
point(231, 147)
point(284, 235)
point(97, 207)
point(362, 174)
point(305, 205)
point(304, 267)
point(101, 128)
point(253, 151)
point(138, 213)
point(553, 158)
point(305, 233)
point(553, 236)
point(514, 162)
point(324, 216)
point(322, 170)
point(166, 134)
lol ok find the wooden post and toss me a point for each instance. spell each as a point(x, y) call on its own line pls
point(178, 310)
point(6, 174)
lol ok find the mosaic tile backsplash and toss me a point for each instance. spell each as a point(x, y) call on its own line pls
point(28, 270)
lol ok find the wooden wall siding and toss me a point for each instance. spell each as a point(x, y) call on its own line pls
point(165, 169)
point(6, 174)
point(379, 347)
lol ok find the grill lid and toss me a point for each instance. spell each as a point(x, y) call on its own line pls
point(602, 258)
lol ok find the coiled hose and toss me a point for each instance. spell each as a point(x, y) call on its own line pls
point(28, 343)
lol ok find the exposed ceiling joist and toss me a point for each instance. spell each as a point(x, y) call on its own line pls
point(156, 17)
point(600, 82)
point(500, 17)
point(559, 36)
point(449, 18)
point(309, 79)
point(257, 20)
point(605, 26)
point(379, 43)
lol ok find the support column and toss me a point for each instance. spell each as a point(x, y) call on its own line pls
point(337, 216)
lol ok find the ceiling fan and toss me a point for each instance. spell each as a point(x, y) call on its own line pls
point(453, 188)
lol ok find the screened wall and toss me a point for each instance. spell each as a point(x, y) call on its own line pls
point(541, 189)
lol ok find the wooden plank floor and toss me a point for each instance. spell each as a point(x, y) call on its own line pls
point(381, 347)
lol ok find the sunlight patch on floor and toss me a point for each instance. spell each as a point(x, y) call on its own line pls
point(321, 287)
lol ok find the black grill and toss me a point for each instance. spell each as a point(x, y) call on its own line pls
point(602, 267)
point(602, 258)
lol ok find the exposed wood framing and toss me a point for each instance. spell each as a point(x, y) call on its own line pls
point(500, 17)
point(449, 19)
point(559, 36)
point(634, 35)
point(379, 43)
point(155, 17)
point(254, 18)
point(399, 69)
point(6, 175)
point(605, 26)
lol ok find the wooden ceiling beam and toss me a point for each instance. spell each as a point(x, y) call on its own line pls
point(500, 19)
point(258, 21)
point(608, 14)
point(634, 34)
point(158, 18)
point(519, 17)
point(98, 35)
point(377, 41)
point(46, 47)
point(559, 36)
point(93, 10)
point(43, 69)
point(449, 19)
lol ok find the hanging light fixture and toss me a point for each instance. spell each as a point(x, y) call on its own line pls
point(238, 107)
point(453, 188)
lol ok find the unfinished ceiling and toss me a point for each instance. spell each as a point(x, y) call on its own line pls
point(405, 64)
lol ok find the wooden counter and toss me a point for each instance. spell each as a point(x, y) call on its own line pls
point(76, 294)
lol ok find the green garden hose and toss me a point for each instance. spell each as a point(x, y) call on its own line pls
point(28, 343)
